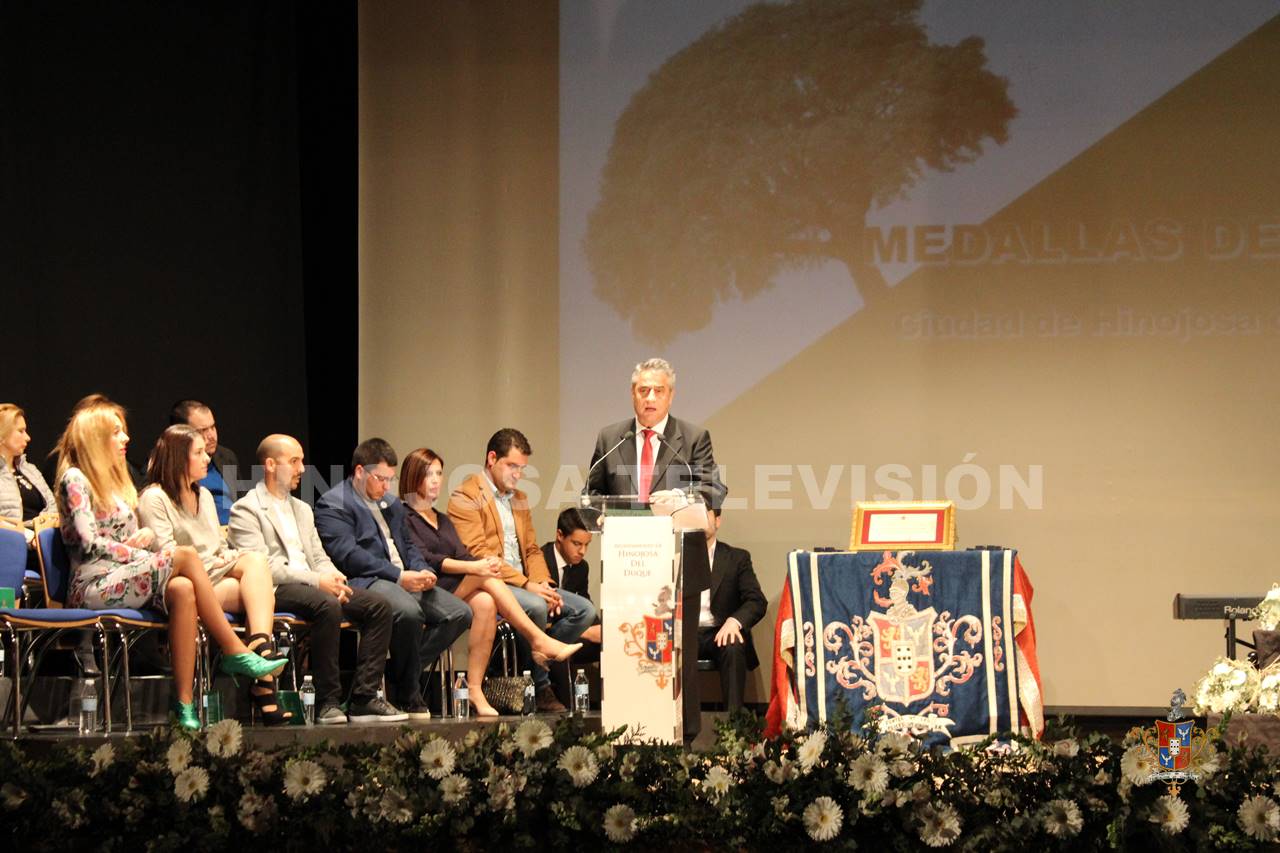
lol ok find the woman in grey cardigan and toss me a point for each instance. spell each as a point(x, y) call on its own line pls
point(24, 495)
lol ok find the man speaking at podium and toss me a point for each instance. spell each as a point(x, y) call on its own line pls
point(654, 453)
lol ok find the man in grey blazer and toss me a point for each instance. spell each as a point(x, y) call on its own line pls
point(654, 452)
point(272, 522)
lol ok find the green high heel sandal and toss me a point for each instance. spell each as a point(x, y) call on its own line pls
point(185, 714)
point(247, 663)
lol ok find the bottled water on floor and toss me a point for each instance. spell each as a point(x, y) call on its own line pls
point(308, 696)
point(581, 694)
point(461, 697)
point(530, 705)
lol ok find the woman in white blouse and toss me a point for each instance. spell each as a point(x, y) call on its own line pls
point(182, 512)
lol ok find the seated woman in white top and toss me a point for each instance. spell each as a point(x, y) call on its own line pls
point(181, 512)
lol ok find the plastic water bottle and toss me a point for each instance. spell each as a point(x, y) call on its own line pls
point(85, 701)
point(461, 697)
point(581, 694)
point(530, 704)
point(308, 696)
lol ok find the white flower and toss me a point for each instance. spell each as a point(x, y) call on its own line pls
point(454, 788)
point(438, 758)
point(1268, 696)
point(1229, 685)
point(102, 758)
point(303, 779)
point(1170, 813)
point(224, 738)
point(869, 774)
point(1259, 817)
point(939, 825)
point(1102, 778)
point(13, 796)
point(718, 782)
point(1210, 763)
point(1066, 748)
point(811, 750)
point(178, 756)
point(1268, 610)
point(472, 738)
point(256, 813)
point(620, 823)
point(395, 807)
point(580, 763)
point(191, 784)
point(780, 806)
point(531, 736)
point(1062, 818)
point(823, 819)
point(1138, 763)
point(605, 752)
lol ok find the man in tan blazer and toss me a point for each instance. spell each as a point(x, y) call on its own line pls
point(493, 520)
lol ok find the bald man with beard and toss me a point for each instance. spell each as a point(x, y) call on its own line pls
point(271, 521)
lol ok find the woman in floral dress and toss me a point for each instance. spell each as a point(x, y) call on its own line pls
point(117, 565)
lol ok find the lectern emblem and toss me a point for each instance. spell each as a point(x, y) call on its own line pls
point(651, 641)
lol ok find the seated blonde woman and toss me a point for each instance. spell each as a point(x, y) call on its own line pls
point(181, 512)
point(478, 582)
point(116, 564)
point(24, 495)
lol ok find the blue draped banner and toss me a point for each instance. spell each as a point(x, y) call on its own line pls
point(926, 638)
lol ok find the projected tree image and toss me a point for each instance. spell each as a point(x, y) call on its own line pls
point(763, 144)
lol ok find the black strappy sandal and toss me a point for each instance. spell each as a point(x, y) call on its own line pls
point(263, 691)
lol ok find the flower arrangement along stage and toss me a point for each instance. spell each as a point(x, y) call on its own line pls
point(532, 787)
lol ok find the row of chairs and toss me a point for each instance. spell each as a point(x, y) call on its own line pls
point(33, 631)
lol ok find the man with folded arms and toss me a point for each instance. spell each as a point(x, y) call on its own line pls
point(272, 522)
point(494, 520)
point(363, 529)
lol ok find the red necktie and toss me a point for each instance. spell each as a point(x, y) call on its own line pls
point(646, 465)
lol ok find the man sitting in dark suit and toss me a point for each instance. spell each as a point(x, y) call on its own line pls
point(654, 453)
point(363, 530)
point(566, 558)
point(729, 609)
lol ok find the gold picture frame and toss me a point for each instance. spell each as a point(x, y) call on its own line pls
point(899, 525)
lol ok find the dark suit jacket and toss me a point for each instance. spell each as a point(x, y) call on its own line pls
point(352, 538)
point(619, 474)
point(736, 592)
point(575, 578)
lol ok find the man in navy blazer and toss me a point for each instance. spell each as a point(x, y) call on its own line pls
point(363, 531)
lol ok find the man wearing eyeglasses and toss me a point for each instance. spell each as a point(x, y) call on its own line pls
point(363, 531)
point(223, 464)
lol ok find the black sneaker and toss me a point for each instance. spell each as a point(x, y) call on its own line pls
point(416, 709)
point(376, 710)
point(330, 715)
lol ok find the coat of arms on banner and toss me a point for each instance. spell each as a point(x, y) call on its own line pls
point(652, 640)
point(1179, 748)
point(903, 654)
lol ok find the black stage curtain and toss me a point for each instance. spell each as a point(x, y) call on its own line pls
point(178, 216)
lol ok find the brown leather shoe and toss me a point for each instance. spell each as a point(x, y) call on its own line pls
point(548, 703)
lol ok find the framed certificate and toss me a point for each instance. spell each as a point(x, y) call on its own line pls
point(895, 525)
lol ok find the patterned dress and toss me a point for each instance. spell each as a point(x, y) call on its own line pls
point(105, 572)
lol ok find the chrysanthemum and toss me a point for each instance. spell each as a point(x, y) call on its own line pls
point(1066, 748)
point(303, 779)
point(580, 763)
point(438, 758)
point(531, 736)
point(718, 782)
point(454, 788)
point(811, 750)
point(1138, 763)
point(939, 825)
point(869, 774)
point(1259, 817)
point(255, 812)
point(1062, 818)
point(620, 823)
point(178, 756)
point(224, 738)
point(395, 806)
point(1170, 813)
point(102, 758)
point(823, 819)
point(13, 796)
point(191, 784)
